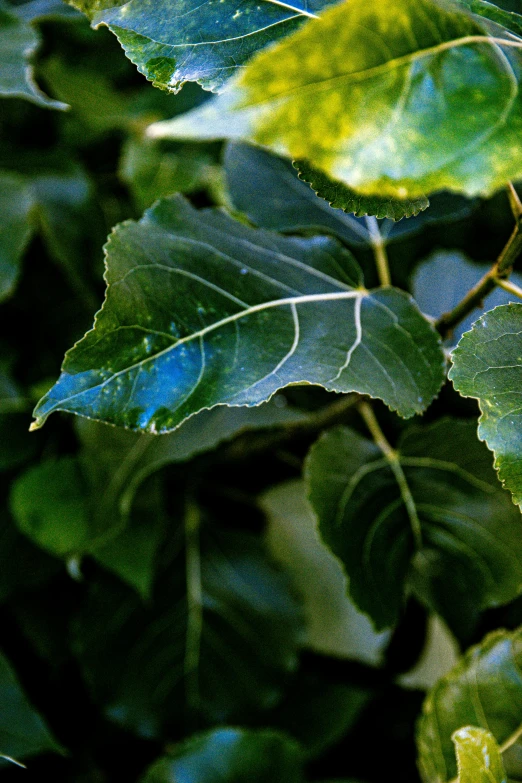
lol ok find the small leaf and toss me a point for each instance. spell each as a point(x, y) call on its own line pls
point(339, 196)
point(22, 731)
point(172, 42)
point(470, 553)
point(146, 667)
point(380, 100)
point(228, 756)
point(478, 756)
point(487, 365)
point(484, 690)
point(202, 310)
point(18, 43)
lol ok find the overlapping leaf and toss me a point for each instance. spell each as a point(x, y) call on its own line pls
point(175, 41)
point(147, 665)
point(381, 100)
point(18, 44)
point(484, 690)
point(470, 553)
point(508, 19)
point(487, 365)
point(229, 755)
point(203, 311)
point(478, 756)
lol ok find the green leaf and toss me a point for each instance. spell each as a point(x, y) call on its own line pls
point(150, 665)
point(18, 44)
point(334, 626)
point(507, 19)
point(450, 533)
point(478, 756)
point(483, 690)
point(229, 755)
point(22, 731)
point(380, 100)
point(487, 365)
point(16, 204)
point(341, 197)
point(202, 310)
point(175, 42)
point(288, 204)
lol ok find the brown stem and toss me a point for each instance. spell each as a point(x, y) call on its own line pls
point(500, 270)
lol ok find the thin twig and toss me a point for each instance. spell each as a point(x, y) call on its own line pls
point(500, 270)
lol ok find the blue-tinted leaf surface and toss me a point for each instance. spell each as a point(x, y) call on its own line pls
point(487, 365)
point(229, 755)
point(203, 311)
point(470, 555)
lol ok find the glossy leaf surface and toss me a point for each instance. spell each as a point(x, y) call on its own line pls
point(140, 666)
point(381, 101)
point(230, 755)
point(22, 731)
point(487, 365)
point(203, 311)
point(18, 44)
point(478, 756)
point(484, 690)
point(470, 536)
point(172, 42)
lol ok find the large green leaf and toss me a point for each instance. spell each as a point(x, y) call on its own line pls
point(484, 690)
point(202, 310)
point(381, 100)
point(230, 755)
point(18, 44)
point(487, 365)
point(468, 553)
point(478, 756)
point(174, 41)
point(226, 654)
point(22, 730)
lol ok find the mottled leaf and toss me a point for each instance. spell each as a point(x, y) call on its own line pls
point(172, 42)
point(450, 532)
point(18, 44)
point(22, 731)
point(339, 196)
point(381, 100)
point(487, 365)
point(150, 665)
point(229, 755)
point(484, 690)
point(478, 756)
point(202, 310)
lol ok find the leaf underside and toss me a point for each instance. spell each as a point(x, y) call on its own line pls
point(393, 98)
point(487, 365)
point(471, 533)
point(202, 310)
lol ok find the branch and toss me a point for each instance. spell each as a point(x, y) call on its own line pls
point(500, 270)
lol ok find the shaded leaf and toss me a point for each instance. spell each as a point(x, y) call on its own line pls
point(334, 626)
point(288, 204)
point(380, 100)
point(444, 278)
point(230, 755)
point(18, 44)
point(136, 660)
point(507, 19)
point(339, 196)
point(478, 756)
point(22, 731)
point(174, 42)
point(487, 365)
point(484, 690)
point(203, 311)
point(469, 554)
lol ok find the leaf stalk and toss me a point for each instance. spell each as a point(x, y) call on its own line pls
point(379, 251)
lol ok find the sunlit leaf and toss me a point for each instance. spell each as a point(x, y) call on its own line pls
point(202, 310)
point(478, 756)
point(487, 365)
point(458, 543)
point(381, 100)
